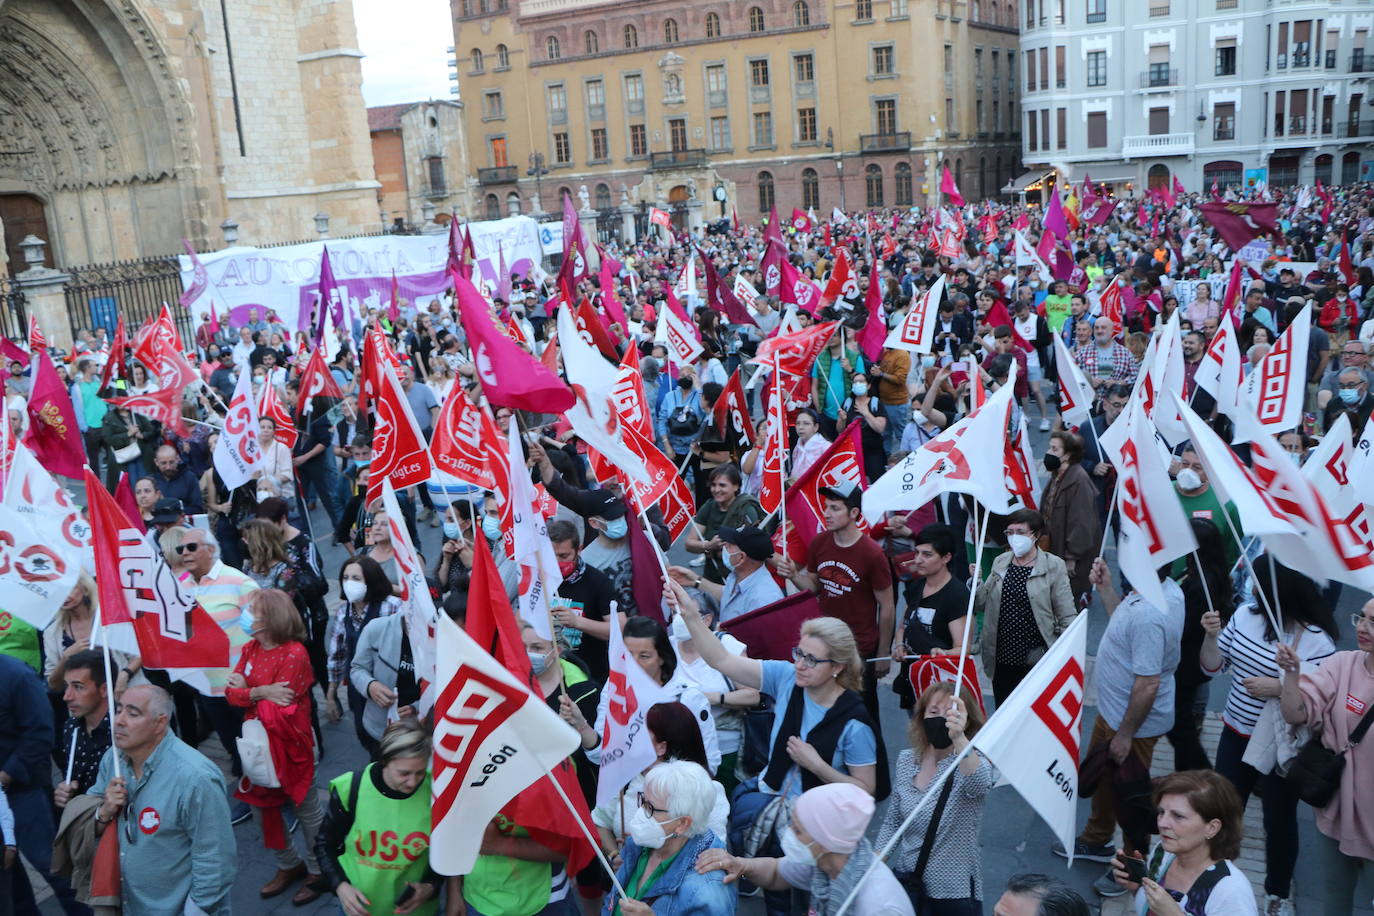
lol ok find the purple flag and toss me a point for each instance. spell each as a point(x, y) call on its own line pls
point(1054, 216)
point(326, 288)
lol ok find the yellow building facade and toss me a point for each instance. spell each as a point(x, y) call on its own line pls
point(707, 106)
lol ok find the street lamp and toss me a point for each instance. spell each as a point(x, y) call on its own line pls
point(537, 172)
point(839, 172)
point(230, 230)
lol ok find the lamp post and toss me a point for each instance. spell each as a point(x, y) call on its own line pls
point(537, 171)
point(231, 231)
point(839, 173)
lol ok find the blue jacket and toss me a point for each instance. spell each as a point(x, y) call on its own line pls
point(26, 727)
point(680, 891)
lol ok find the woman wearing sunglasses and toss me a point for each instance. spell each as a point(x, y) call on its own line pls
point(821, 730)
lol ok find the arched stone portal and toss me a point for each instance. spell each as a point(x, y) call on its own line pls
point(95, 124)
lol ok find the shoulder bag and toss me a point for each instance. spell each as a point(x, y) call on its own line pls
point(1315, 773)
point(255, 753)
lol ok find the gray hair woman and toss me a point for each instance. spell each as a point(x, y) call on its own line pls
point(670, 830)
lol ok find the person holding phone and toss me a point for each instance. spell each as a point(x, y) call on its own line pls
point(389, 797)
point(1190, 870)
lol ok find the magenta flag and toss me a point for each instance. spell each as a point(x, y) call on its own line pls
point(875, 328)
point(510, 376)
point(1054, 215)
point(610, 303)
point(721, 297)
point(1239, 222)
point(772, 631)
point(950, 189)
point(646, 580)
point(53, 432)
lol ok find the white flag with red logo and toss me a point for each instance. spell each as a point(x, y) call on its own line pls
point(416, 602)
point(969, 457)
point(683, 347)
point(37, 570)
point(1154, 527)
point(539, 574)
point(626, 747)
point(32, 491)
point(916, 330)
point(1033, 736)
point(593, 414)
point(463, 442)
point(1027, 256)
point(745, 292)
point(1274, 389)
point(237, 454)
point(36, 339)
point(1220, 374)
point(1075, 394)
point(492, 739)
point(842, 283)
point(1329, 467)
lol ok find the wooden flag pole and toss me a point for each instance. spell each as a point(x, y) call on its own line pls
point(596, 847)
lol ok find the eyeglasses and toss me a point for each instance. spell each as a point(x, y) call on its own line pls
point(1360, 620)
point(648, 806)
point(188, 547)
point(807, 660)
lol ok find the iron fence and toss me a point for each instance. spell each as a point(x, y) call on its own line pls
point(98, 294)
point(14, 319)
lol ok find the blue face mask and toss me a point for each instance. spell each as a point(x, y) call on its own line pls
point(491, 527)
point(360, 465)
point(616, 529)
point(246, 621)
point(451, 530)
point(1350, 395)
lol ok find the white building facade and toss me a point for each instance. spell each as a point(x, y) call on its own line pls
point(1136, 92)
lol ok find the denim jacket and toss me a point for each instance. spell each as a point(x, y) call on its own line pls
point(680, 891)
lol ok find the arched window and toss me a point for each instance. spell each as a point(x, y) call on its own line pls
point(1323, 168)
point(670, 31)
point(1158, 176)
point(755, 19)
point(765, 182)
point(603, 197)
point(512, 204)
point(1350, 168)
point(551, 49)
point(631, 37)
point(801, 13)
point(502, 57)
point(712, 25)
point(873, 185)
point(977, 11)
point(901, 184)
point(590, 43)
point(477, 63)
point(811, 189)
point(493, 207)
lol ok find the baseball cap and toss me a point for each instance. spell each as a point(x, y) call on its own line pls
point(748, 538)
point(605, 504)
point(167, 511)
point(846, 491)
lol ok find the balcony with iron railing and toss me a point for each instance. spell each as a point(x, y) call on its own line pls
point(678, 159)
point(1359, 63)
point(893, 142)
point(1350, 129)
point(1159, 77)
point(1143, 145)
point(501, 174)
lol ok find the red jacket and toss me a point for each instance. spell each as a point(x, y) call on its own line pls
point(1331, 313)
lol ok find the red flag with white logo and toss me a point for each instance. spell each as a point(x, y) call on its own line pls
point(843, 461)
point(144, 607)
point(679, 508)
point(271, 408)
point(318, 382)
point(774, 451)
point(162, 405)
point(399, 450)
point(119, 350)
point(53, 433)
point(1033, 736)
point(731, 413)
point(36, 339)
point(842, 282)
point(929, 670)
point(464, 437)
point(796, 352)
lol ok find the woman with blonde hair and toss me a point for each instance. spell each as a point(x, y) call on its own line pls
point(69, 632)
point(268, 565)
point(821, 732)
point(938, 858)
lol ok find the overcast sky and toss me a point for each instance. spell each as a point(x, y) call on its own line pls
point(406, 43)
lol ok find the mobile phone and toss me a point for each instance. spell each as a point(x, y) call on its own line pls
point(1135, 869)
point(405, 896)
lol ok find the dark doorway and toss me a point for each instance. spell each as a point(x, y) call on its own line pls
point(23, 216)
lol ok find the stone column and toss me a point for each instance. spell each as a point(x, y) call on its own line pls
point(44, 297)
point(695, 220)
point(627, 224)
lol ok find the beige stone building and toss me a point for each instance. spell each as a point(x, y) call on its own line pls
point(421, 161)
point(709, 105)
point(126, 125)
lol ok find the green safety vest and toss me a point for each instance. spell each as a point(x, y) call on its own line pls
point(388, 844)
point(21, 641)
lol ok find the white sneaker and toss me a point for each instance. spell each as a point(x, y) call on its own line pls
point(1045, 425)
point(1277, 906)
point(700, 560)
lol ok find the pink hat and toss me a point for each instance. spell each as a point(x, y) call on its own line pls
point(835, 815)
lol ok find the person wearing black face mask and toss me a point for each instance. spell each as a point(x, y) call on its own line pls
point(1069, 504)
point(938, 858)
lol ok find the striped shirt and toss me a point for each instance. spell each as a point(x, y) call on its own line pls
point(223, 592)
point(1245, 652)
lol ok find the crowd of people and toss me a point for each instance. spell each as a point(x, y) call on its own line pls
point(770, 775)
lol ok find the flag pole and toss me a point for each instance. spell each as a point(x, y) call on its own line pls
point(99, 627)
point(1250, 567)
point(1202, 577)
point(71, 756)
point(782, 446)
point(973, 590)
point(596, 847)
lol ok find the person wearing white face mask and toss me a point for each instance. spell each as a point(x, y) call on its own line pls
point(366, 596)
point(1026, 602)
point(668, 839)
point(825, 853)
point(860, 405)
point(1200, 500)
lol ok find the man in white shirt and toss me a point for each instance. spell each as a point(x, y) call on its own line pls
point(749, 585)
